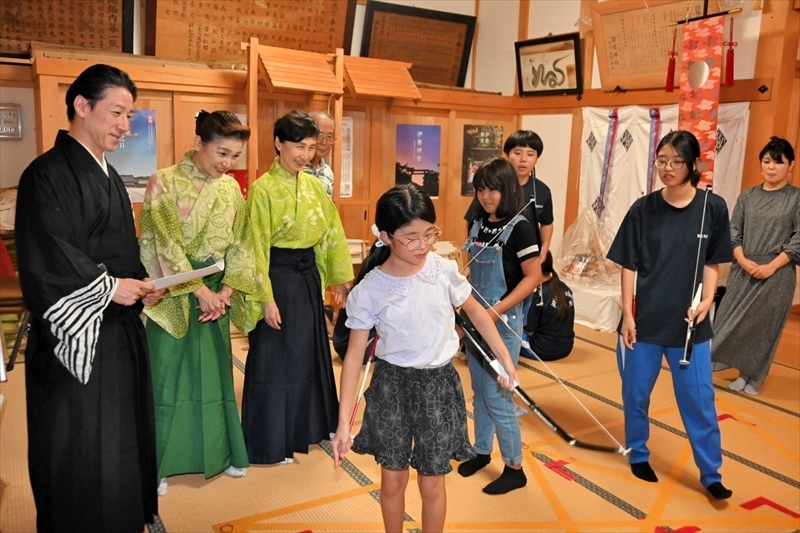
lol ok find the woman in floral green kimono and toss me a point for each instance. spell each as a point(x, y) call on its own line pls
point(195, 214)
point(290, 398)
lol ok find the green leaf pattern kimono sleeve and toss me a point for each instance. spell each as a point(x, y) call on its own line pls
point(188, 214)
point(294, 213)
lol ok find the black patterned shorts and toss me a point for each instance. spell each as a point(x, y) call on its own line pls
point(415, 417)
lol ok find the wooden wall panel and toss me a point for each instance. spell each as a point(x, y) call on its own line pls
point(356, 219)
point(266, 146)
point(190, 105)
point(360, 155)
point(777, 57)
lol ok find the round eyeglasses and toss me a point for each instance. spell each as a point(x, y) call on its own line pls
point(415, 244)
point(676, 164)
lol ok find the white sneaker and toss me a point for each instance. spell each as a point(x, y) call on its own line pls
point(752, 388)
point(287, 461)
point(235, 472)
point(738, 385)
point(162, 487)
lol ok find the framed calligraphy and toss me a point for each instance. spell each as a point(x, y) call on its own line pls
point(437, 44)
point(634, 40)
point(550, 65)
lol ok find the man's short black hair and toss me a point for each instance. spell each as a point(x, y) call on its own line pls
point(94, 82)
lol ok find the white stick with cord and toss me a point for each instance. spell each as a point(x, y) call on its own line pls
point(474, 337)
point(698, 295)
point(538, 231)
point(3, 377)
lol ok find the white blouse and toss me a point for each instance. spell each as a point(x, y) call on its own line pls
point(413, 315)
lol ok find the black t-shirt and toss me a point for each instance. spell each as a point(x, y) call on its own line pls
point(520, 246)
point(659, 241)
point(544, 205)
point(551, 338)
point(544, 201)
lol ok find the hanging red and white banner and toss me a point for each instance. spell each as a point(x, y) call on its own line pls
point(701, 73)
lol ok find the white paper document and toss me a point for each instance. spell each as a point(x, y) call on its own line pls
point(176, 279)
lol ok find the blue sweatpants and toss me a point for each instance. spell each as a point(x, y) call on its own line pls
point(694, 392)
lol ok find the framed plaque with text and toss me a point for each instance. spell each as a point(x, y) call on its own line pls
point(437, 44)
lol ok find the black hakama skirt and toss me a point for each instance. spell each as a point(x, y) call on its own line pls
point(91, 448)
point(289, 399)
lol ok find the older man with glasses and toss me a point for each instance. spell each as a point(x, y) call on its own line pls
point(317, 165)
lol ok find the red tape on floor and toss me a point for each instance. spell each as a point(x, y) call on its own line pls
point(761, 500)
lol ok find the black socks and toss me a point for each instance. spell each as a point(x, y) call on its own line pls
point(718, 491)
point(510, 479)
point(644, 471)
point(467, 468)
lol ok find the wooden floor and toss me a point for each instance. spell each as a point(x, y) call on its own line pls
point(569, 489)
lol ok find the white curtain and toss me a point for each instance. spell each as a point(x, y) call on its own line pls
point(617, 153)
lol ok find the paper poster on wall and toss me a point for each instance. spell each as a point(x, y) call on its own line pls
point(481, 143)
point(417, 156)
point(346, 170)
point(135, 157)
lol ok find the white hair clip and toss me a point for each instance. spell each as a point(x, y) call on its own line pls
point(377, 233)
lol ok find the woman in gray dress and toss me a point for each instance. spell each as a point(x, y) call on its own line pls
point(765, 230)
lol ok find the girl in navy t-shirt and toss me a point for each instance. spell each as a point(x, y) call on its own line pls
point(657, 247)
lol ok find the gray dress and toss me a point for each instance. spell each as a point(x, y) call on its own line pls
point(752, 314)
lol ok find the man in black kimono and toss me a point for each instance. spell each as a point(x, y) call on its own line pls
point(91, 436)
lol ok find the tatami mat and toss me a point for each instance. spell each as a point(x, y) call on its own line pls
point(569, 488)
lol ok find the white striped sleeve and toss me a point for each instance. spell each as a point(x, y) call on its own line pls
point(75, 321)
point(528, 251)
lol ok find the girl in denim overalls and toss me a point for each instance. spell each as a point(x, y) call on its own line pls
point(504, 268)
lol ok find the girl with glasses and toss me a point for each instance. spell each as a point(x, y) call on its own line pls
point(668, 241)
point(415, 413)
point(504, 269)
point(766, 247)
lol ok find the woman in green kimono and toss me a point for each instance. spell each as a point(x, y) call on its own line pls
point(289, 398)
point(195, 214)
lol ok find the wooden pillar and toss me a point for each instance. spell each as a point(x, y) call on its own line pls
point(338, 109)
point(46, 98)
point(522, 35)
point(776, 58)
point(474, 74)
point(251, 97)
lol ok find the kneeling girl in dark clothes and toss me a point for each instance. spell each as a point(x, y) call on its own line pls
point(551, 327)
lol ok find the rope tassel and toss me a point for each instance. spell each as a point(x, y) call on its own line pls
point(729, 58)
point(670, 85)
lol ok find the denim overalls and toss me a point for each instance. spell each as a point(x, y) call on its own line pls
point(493, 406)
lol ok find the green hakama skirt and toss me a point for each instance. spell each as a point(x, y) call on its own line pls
point(197, 421)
